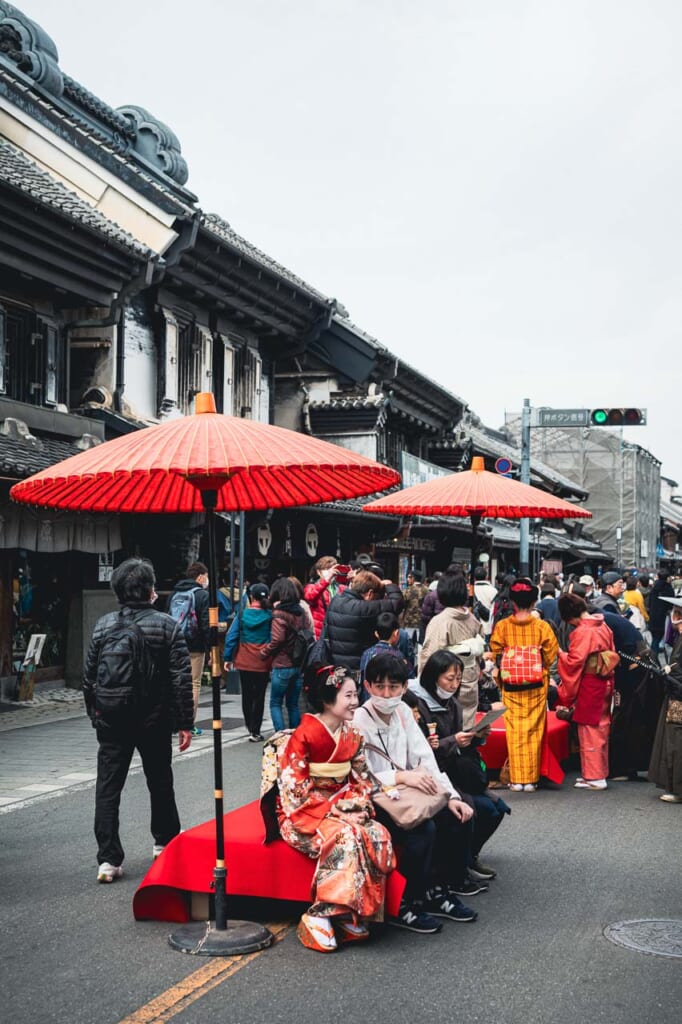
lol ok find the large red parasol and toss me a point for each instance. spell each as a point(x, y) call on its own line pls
point(250, 466)
point(214, 463)
point(476, 493)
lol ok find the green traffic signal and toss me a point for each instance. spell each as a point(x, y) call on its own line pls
point(618, 417)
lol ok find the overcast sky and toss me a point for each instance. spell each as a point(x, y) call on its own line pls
point(490, 187)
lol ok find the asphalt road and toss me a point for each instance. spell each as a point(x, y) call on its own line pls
point(569, 862)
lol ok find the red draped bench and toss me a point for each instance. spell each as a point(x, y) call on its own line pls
point(554, 747)
point(179, 882)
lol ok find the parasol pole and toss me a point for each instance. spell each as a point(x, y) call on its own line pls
point(475, 523)
point(200, 937)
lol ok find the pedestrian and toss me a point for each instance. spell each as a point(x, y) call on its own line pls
point(665, 769)
point(612, 587)
point(288, 618)
point(137, 685)
point(433, 856)
point(322, 588)
point(457, 629)
point(352, 615)
point(188, 605)
point(439, 716)
point(586, 688)
point(387, 634)
point(414, 594)
point(484, 598)
point(324, 809)
point(247, 636)
point(659, 609)
point(525, 648)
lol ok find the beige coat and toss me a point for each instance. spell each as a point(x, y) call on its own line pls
point(450, 627)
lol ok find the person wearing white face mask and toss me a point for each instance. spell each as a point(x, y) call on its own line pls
point(433, 856)
point(438, 712)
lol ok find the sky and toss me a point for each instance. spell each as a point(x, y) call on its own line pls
point(490, 187)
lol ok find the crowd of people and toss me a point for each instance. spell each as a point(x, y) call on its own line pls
point(385, 764)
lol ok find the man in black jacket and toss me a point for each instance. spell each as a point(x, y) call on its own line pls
point(161, 706)
point(197, 639)
point(659, 609)
point(612, 586)
point(352, 615)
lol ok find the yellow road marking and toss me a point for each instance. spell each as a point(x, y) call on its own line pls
point(197, 984)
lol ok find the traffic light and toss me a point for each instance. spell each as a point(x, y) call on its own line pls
point(618, 417)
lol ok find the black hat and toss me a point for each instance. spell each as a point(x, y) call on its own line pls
point(609, 578)
point(258, 591)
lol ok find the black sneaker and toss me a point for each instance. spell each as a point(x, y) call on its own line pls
point(447, 905)
point(413, 919)
point(469, 888)
point(480, 872)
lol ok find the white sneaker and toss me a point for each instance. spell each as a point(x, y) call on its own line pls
point(108, 872)
point(670, 798)
point(157, 850)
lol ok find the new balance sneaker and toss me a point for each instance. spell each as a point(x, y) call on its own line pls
point(108, 872)
point(469, 888)
point(481, 872)
point(414, 919)
point(447, 905)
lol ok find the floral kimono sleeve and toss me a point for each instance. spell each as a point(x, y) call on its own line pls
point(360, 784)
point(302, 804)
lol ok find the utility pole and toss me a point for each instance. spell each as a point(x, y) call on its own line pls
point(525, 479)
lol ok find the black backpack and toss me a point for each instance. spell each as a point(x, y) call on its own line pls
point(125, 672)
point(480, 611)
point(304, 638)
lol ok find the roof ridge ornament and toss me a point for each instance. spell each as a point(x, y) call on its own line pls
point(156, 142)
point(26, 45)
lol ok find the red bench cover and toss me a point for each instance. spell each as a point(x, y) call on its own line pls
point(275, 871)
point(554, 747)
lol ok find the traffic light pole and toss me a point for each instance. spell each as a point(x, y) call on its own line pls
point(524, 524)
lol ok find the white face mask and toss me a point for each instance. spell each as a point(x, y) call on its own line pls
point(385, 705)
point(444, 694)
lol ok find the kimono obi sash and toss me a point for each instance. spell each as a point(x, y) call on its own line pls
point(329, 769)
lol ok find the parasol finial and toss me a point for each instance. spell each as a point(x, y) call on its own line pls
point(477, 463)
point(204, 401)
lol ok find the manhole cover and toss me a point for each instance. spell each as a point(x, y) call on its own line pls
point(658, 937)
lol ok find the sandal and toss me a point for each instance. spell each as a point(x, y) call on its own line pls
point(350, 931)
point(317, 933)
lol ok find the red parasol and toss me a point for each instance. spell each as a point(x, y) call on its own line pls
point(251, 466)
point(207, 462)
point(476, 493)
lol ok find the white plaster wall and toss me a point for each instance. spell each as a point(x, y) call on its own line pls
point(140, 366)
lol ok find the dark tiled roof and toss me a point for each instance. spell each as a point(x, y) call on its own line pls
point(20, 173)
point(19, 459)
point(217, 226)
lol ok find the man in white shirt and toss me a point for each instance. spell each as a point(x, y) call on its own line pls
point(434, 855)
point(484, 595)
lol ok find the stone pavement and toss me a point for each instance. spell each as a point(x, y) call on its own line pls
point(59, 751)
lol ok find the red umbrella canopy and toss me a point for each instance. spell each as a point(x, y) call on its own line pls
point(252, 466)
point(476, 492)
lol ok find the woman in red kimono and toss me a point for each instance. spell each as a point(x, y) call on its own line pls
point(325, 810)
point(587, 691)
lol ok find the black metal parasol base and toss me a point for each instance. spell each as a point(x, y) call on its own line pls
point(201, 938)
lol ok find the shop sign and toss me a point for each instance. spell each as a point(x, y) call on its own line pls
point(264, 538)
point(406, 544)
point(417, 471)
point(105, 568)
point(311, 540)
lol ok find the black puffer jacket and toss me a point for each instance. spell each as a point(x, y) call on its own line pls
point(659, 610)
point(173, 680)
point(351, 621)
